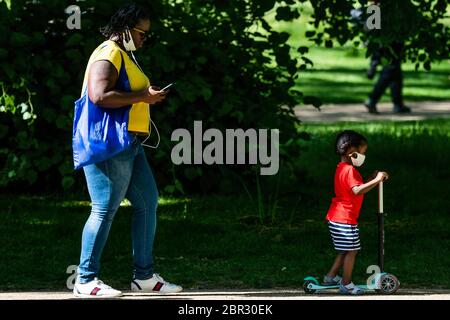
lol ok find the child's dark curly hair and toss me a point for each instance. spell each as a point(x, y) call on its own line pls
point(129, 15)
point(347, 139)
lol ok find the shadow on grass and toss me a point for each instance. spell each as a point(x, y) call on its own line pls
point(334, 86)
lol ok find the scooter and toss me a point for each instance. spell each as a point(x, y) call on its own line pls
point(381, 282)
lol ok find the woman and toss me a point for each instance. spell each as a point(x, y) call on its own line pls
point(114, 82)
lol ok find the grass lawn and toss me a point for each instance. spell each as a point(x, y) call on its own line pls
point(213, 242)
point(339, 73)
point(339, 76)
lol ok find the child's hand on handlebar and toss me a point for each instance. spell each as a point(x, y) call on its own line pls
point(381, 176)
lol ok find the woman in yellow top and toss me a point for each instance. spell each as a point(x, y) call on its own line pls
point(113, 79)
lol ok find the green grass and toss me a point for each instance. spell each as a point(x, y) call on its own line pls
point(339, 76)
point(339, 73)
point(218, 242)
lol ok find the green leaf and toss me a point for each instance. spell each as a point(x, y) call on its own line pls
point(19, 39)
point(226, 108)
point(190, 173)
point(74, 40)
point(65, 168)
point(62, 121)
point(169, 189)
point(303, 50)
point(279, 37)
point(3, 53)
point(201, 60)
point(3, 130)
point(8, 69)
point(74, 55)
point(307, 61)
point(49, 115)
point(67, 102)
point(296, 93)
point(38, 38)
point(238, 115)
point(265, 5)
point(7, 2)
point(10, 105)
point(179, 186)
point(206, 93)
point(286, 14)
point(67, 182)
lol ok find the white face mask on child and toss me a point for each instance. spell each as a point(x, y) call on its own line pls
point(357, 159)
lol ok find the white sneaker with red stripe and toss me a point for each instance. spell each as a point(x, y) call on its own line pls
point(95, 289)
point(155, 284)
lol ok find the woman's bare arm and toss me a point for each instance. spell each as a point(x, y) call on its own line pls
point(102, 81)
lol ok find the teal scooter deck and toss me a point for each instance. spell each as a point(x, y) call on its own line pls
point(382, 282)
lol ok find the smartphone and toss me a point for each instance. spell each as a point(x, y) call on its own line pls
point(168, 87)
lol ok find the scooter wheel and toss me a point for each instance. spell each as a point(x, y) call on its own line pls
point(308, 290)
point(388, 284)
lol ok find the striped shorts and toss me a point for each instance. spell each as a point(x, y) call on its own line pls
point(345, 236)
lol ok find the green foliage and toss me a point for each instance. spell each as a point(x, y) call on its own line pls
point(419, 24)
point(220, 53)
point(7, 3)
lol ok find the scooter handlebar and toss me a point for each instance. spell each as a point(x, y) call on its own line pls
point(380, 198)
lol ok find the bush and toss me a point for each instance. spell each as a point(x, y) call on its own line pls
point(418, 24)
point(232, 71)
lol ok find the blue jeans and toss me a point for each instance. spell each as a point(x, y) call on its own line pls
point(126, 175)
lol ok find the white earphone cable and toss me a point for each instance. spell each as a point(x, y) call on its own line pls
point(157, 132)
point(151, 121)
point(135, 61)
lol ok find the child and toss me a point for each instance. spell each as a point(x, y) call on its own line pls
point(343, 214)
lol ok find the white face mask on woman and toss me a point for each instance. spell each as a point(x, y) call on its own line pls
point(357, 158)
point(128, 42)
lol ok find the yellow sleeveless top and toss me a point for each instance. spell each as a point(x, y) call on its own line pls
point(139, 119)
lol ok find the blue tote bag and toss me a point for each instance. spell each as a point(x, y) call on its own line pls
point(100, 133)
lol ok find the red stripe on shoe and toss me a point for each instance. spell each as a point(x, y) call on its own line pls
point(94, 291)
point(158, 286)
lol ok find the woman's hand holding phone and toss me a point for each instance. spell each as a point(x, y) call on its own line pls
point(153, 95)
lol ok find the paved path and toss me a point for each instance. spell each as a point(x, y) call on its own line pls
point(358, 112)
point(278, 294)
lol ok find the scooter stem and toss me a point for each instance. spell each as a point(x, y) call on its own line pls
point(380, 227)
point(380, 198)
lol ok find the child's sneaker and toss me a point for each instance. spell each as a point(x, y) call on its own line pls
point(350, 289)
point(95, 289)
point(156, 284)
point(329, 281)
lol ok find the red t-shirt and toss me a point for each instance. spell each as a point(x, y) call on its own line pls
point(345, 206)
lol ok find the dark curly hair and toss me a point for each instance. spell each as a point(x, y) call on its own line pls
point(347, 139)
point(129, 15)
